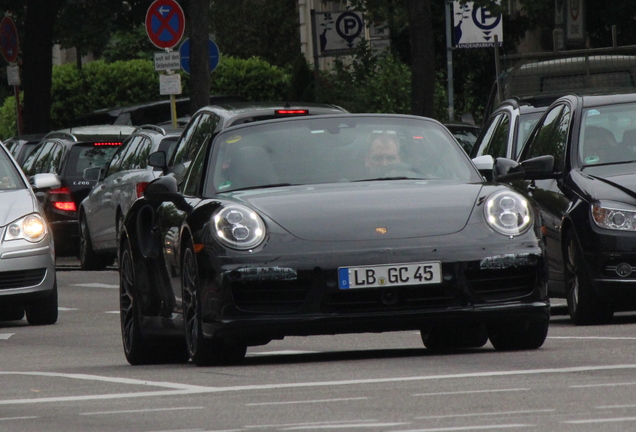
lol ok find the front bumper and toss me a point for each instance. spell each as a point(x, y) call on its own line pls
point(26, 273)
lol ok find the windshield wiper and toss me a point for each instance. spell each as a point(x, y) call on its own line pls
point(267, 186)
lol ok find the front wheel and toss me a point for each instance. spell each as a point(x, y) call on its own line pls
point(584, 305)
point(89, 260)
point(523, 336)
point(203, 351)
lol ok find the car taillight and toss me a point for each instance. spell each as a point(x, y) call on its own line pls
point(291, 112)
point(141, 187)
point(114, 143)
point(62, 199)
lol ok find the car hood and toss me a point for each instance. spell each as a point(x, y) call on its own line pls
point(15, 204)
point(620, 185)
point(367, 211)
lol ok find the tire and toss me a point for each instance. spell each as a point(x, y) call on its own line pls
point(450, 337)
point(531, 336)
point(202, 351)
point(43, 311)
point(137, 349)
point(584, 305)
point(89, 260)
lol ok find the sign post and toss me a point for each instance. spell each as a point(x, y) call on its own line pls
point(9, 45)
point(165, 25)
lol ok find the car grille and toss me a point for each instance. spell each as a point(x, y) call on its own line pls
point(502, 284)
point(270, 296)
point(21, 278)
point(395, 298)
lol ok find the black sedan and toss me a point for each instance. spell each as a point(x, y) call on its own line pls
point(587, 202)
point(325, 225)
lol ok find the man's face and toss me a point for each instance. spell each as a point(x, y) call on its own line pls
point(382, 153)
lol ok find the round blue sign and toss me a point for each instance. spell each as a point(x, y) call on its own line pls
point(213, 54)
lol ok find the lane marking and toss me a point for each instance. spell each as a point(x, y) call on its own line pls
point(470, 391)
point(285, 425)
point(17, 418)
point(140, 410)
point(184, 389)
point(505, 413)
point(607, 420)
point(469, 428)
point(66, 309)
point(5, 336)
point(347, 426)
point(306, 401)
point(615, 406)
point(112, 312)
point(603, 385)
point(96, 285)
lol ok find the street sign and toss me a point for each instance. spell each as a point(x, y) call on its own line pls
point(165, 61)
point(213, 53)
point(165, 23)
point(8, 40)
point(338, 33)
point(476, 26)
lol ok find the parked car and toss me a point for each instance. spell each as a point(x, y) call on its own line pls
point(27, 253)
point(312, 225)
point(67, 153)
point(508, 128)
point(118, 186)
point(21, 146)
point(587, 201)
point(146, 113)
point(465, 133)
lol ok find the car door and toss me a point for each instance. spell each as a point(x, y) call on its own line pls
point(550, 137)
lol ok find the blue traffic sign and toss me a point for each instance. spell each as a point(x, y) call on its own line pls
point(165, 23)
point(213, 53)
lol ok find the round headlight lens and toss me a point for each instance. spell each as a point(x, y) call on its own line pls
point(31, 228)
point(238, 227)
point(508, 213)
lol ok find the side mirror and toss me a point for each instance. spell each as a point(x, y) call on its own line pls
point(539, 168)
point(485, 165)
point(506, 170)
point(164, 189)
point(45, 181)
point(158, 160)
point(92, 174)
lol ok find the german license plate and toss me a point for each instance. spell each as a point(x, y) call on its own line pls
point(389, 275)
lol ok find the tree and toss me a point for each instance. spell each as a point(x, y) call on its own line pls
point(199, 29)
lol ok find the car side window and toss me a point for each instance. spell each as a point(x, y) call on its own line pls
point(130, 157)
point(194, 174)
point(29, 162)
point(115, 163)
point(549, 138)
point(186, 137)
point(55, 159)
point(140, 158)
point(489, 130)
point(41, 162)
point(498, 145)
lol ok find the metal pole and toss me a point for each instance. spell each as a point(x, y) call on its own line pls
point(449, 61)
point(314, 45)
point(498, 70)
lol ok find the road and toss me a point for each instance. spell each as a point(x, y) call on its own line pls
point(73, 376)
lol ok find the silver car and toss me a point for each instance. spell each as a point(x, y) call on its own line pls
point(27, 253)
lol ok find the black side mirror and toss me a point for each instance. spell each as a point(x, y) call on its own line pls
point(506, 170)
point(539, 168)
point(164, 189)
point(158, 160)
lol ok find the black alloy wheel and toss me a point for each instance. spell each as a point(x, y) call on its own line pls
point(203, 351)
point(584, 305)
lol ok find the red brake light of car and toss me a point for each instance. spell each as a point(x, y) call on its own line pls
point(290, 112)
point(141, 187)
point(61, 199)
point(114, 143)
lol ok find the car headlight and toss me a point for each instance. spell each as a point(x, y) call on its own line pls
point(508, 213)
point(238, 227)
point(31, 228)
point(611, 216)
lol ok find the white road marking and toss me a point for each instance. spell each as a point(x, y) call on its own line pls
point(113, 312)
point(495, 413)
point(470, 428)
point(471, 391)
point(286, 425)
point(345, 426)
point(140, 411)
point(183, 389)
point(17, 418)
point(5, 336)
point(603, 385)
point(593, 337)
point(66, 309)
point(306, 401)
point(96, 285)
point(607, 420)
point(615, 406)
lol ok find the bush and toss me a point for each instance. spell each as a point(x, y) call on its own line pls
point(254, 79)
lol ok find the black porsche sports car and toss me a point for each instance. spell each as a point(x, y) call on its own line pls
point(323, 225)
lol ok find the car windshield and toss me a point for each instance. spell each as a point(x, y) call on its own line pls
point(10, 178)
point(88, 156)
point(608, 135)
point(334, 149)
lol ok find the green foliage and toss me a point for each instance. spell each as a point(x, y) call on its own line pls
point(8, 123)
point(253, 78)
point(100, 85)
point(129, 44)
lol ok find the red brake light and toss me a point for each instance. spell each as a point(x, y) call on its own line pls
point(141, 187)
point(114, 143)
point(62, 199)
point(292, 112)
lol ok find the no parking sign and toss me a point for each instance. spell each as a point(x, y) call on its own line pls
point(165, 23)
